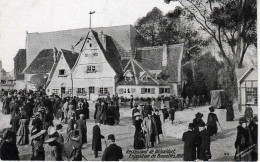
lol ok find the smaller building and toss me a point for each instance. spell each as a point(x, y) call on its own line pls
point(247, 90)
point(60, 79)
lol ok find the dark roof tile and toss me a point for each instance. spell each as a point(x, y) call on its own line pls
point(70, 57)
point(42, 63)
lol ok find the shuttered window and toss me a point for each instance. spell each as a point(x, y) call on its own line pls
point(147, 90)
point(133, 90)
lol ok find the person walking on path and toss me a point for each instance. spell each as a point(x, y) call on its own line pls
point(8, 149)
point(139, 139)
point(96, 139)
point(230, 112)
point(212, 122)
point(82, 127)
point(112, 152)
point(189, 138)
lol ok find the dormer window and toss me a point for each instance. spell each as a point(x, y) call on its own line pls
point(128, 75)
point(95, 54)
point(62, 72)
point(91, 69)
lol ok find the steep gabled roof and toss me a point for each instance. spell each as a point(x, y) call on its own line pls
point(151, 58)
point(70, 57)
point(42, 63)
point(19, 64)
point(111, 53)
point(137, 68)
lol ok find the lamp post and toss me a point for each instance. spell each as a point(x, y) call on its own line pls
point(90, 13)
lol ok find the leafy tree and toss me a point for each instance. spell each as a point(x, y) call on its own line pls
point(230, 23)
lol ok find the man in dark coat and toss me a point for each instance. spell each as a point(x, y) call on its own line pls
point(96, 140)
point(133, 112)
point(9, 150)
point(189, 138)
point(112, 152)
point(158, 123)
point(104, 108)
point(82, 127)
point(131, 102)
point(72, 148)
point(172, 114)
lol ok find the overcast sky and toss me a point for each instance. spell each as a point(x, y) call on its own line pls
point(19, 16)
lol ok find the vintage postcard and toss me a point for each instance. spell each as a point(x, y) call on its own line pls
point(128, 80)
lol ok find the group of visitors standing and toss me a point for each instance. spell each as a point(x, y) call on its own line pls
point(32, 115)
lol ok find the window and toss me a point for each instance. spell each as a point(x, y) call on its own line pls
point(147, 90)
point(86, 54)
point(103, 90)
point(62, 72)
point(91, 89)
point(55, 91)
point(69, 91)
point(91, 69)
point(95, 54)
point(251, 95)
point(90, 45)
point(81, 90)
point(164, 90)
point(128, 90)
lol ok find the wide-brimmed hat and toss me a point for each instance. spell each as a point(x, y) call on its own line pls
point(37, 134)
point(81, 115)
point(51, 131)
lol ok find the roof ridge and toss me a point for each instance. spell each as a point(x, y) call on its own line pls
point(79, 29)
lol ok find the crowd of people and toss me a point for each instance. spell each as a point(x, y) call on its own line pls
point(32, 116)
point(33, 113)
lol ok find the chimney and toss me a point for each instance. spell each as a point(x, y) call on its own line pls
point(102, 38)
point(164, 55)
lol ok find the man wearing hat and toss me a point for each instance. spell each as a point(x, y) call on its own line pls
point(82, 127)
point(212, 122)
point(112, 152)
point(242, 140)
point(38, 152)
point(203, 151)
point(189, 138)
point(73, 147)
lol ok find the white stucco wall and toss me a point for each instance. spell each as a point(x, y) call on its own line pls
point(103, 77)
point(58, 81)
point(138, 91)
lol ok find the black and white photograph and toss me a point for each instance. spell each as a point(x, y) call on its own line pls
point(128, 80)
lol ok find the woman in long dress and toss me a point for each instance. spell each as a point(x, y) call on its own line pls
point(139, 136)
point(23, 131)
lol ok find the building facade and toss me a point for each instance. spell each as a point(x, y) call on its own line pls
point(247, 90)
